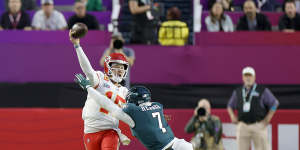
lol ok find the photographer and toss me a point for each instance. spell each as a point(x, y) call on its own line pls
point(116, 46)
point(207, 128)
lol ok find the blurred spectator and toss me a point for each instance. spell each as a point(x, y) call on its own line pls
point(226, 4)
point(15, 18)
point(26, 4)
point(144, 29)
point(255, 106)
point(297, 2)
point(173, 32)
point(217, 20)
point(48, 18)
point(290, 21)
point(266, 5)
point(207, 128)
point(93, 5)
point(83, 17)
point(116, 46)
point(253, 21)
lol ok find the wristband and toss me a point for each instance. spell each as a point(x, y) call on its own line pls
point(273, 108)
point(76, 45)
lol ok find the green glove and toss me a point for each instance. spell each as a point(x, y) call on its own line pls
point(82, 81)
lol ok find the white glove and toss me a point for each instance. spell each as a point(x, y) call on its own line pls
point(124, 139)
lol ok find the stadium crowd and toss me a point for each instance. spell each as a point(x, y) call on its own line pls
point(152, 22)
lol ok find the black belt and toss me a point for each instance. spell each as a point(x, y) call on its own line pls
point(250, 122)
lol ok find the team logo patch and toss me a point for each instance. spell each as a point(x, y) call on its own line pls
point(106, 85)
point(107, 59)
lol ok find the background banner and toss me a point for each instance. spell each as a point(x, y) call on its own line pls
point(48, 129)
point(216, 58)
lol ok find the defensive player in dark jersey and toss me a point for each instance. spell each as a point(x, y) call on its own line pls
point(148, 125)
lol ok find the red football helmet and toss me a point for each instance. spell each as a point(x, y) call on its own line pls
point(119, 59)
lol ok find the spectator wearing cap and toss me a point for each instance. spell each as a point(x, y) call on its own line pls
point(173, 32)
point(83, 17)
point(116, 46)
point(15, 18)
point(253, 21)
point(255, 107)
point(290, 20)
point(48, 18)
point(217, 20)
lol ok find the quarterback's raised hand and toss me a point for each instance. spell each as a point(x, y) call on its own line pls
point(82, 81)
point(75, 41)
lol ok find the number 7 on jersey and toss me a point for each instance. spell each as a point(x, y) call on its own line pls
point(159, 121)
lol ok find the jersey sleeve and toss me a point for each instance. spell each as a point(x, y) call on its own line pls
point(100, 77)
point(115, 111)
point(86, 66)
point(160, 105)
point(233, 101)
point(129, 108)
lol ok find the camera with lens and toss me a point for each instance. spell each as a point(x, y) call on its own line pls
point(201, 112)
point(118, 44)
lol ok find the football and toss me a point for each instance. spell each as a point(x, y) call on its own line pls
point(79, 30)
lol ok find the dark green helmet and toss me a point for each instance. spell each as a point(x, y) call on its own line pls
point(138, 95)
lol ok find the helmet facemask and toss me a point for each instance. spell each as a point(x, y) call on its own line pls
point(116, 67)
point(118, 71)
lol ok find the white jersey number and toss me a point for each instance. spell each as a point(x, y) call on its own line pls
point(159, 121)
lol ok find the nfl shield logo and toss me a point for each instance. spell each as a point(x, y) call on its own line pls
point(106, 85)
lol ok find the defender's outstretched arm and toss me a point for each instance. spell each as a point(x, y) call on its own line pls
point(111, 107)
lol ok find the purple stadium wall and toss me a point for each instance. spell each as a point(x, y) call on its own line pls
point(217, 58)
